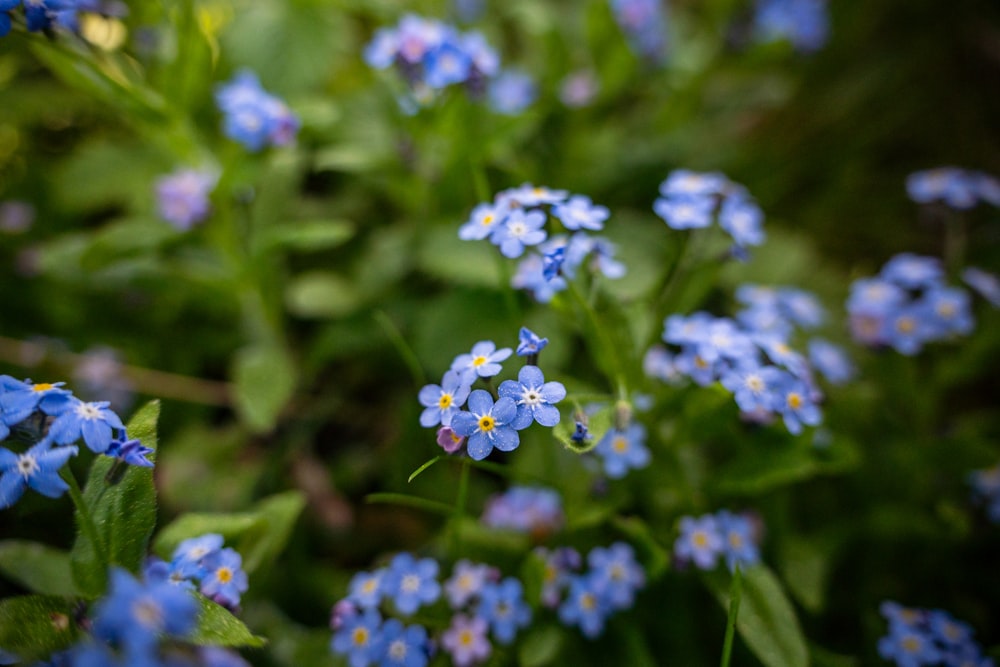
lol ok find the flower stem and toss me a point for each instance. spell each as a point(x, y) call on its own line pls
point(735, 592)
point(86, 519)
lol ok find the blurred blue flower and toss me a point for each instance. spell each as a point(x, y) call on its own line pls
point(189, 556)
point(584, 607)
point(359, 638)
point(37, 468)
point(224, 579)
point(252, 116)
point(403, 646)
point(487, 425)
point(699, 541)
point(366, 588)
point(685, 212)
point(804, 23)
point(796, 405)
point(743, 220)
point(616, 574)
point(527, 509)
point(511, 92)
point(738, 544)
point(581, 213)
point(411, 583)
point(957, 188)
point(986, 284)
point(485, 219)
point(502, 605)
point(623, 450)
point(466, 581)
point(466, 641)
point(831, 361)
point(182, 198)
point(644, 23)
point(519, 229)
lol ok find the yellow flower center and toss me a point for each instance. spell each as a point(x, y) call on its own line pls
point(906, 324)
point(700, 539)
point(587, 601)
point(478, 361)
point(946, 310)
point(465, 638)
point(224, 575)
point(620, 445)
point(42, 386)
point(795, 400)
point(486, 423)
point(487, 219)
point(735, 540)
point(360, 636)
point(911, 644)
point(445, 401)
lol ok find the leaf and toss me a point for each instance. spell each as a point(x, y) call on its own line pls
point(767, 621)
point(123, 513)
point(35, 626)
point(310, 236)
point(264, 379)
point(422, 468)
point(37, 567)
point(321, 294)
point(217, 627)
point(258, 535)
point(597, 423)
point(786, 461)
point(805, 569)
point(540, 646)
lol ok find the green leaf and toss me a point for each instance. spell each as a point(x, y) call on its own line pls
point(264, 379)
point(37, 567)
point(422, 468)
point(540, 646)
point(805, 566)
point(310, 235)
point(218, 627)
point(787, 461)
point(321, 294)
point(35, 626)
point(767, 621)
point(597, 425)
point(258, 535)
point(124, 513)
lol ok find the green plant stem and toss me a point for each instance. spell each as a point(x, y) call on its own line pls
point(86, 519)
point(461, 499)
point(615, 374)
point(402, 347)
point(735, 592)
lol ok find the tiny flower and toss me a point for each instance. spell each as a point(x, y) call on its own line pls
point(442, 402)
point(738, 545)
point(403, 646)
point(37, 468)
point(685, 213)
point(19, 399)
point(580, 213)
point(616, 574)
point(526, 509)
point(182, 197)
point(502, 605)
point(411, 583)
point(831, 361)
point(686, 183)
point(224, 580)
point(795, 404)
point(189, 556)
point(529, 343)
point(804, 23)
point(622, 450)
point(466, 581)
point(483, 361)
point(93, 422)
point(742, 219)
point(131, 452)
point(450, 441)
point(584, 606)
point(485, 219)
point(519, 230)
point(446, 64)
point(487, 425)
point(512, 92)
point(366, 588)
point(699, 541)
point(466, 641)
point(359, 638)
point(534, 398)
point(986, 284)
point(911, 271)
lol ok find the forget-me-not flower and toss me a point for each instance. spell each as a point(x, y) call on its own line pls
point(487, 425)
point(442, 402)
point(483, 361)
point(534, 398)
point(503, 606)
point(37, 468)
point(411, 583)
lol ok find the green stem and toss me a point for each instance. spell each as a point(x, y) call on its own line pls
point(735, 592)
point(86, 519)
point(402, 347)
point(615, 374)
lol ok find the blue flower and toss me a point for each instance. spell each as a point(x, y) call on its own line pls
point(465, 639)
point(157, 570)
point(526, 509)
point(224, 580)
point(529, 343)
point(411, 583)
point(534, 398)
point(958, 188)
point(948, 311)
point(403, 646)
point(908, 647)
point(685, 212)
point(911, 271)
point(531, 276)
point(487, 425)
point(19, 399)
point(831, 361)
point(692, 184)
point(519, 230)
point(738, 545)
point(446, 64)
point(502, 605)
point(467, 580)
point(37, 468)
point(483, 361)
point(93, 422)
point(511, 92)
point(182, 198)
point(753, 386)
point(366, 588)
point(189, 556)
point(359, 638)
point(743, 220)
point(527, 195)
point(129, 451)
point(644, 23)
point(580, 213)
point(616, 574)
point(796, 405)
point(986, 284)
point(584, 606)
point(254, 117)
point(136, 615)
point(485, 219)
point(623, 450)
point(442, 402)
point(699, 541)
point(804, 23)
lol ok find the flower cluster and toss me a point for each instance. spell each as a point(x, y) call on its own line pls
point(955, 187)
point(587, 599)
point(693, 200)
point(928, 637)
point(526, 509)
point(516, 220)
point(203, 561)
point(908, 305)
point(252, 116)
point(645, 25)
point(804, 23)
point(182, 198)
point(44, 15)
point(751, 356)
point(704, 539)
point(490, 421)
point(986, 490)
point(53, 419)
point(432, 55)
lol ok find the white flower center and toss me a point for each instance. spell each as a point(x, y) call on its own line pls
point(88, 411)
point(27, 465)
point(530, 396)
point(397, 650)
point(411, 583)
